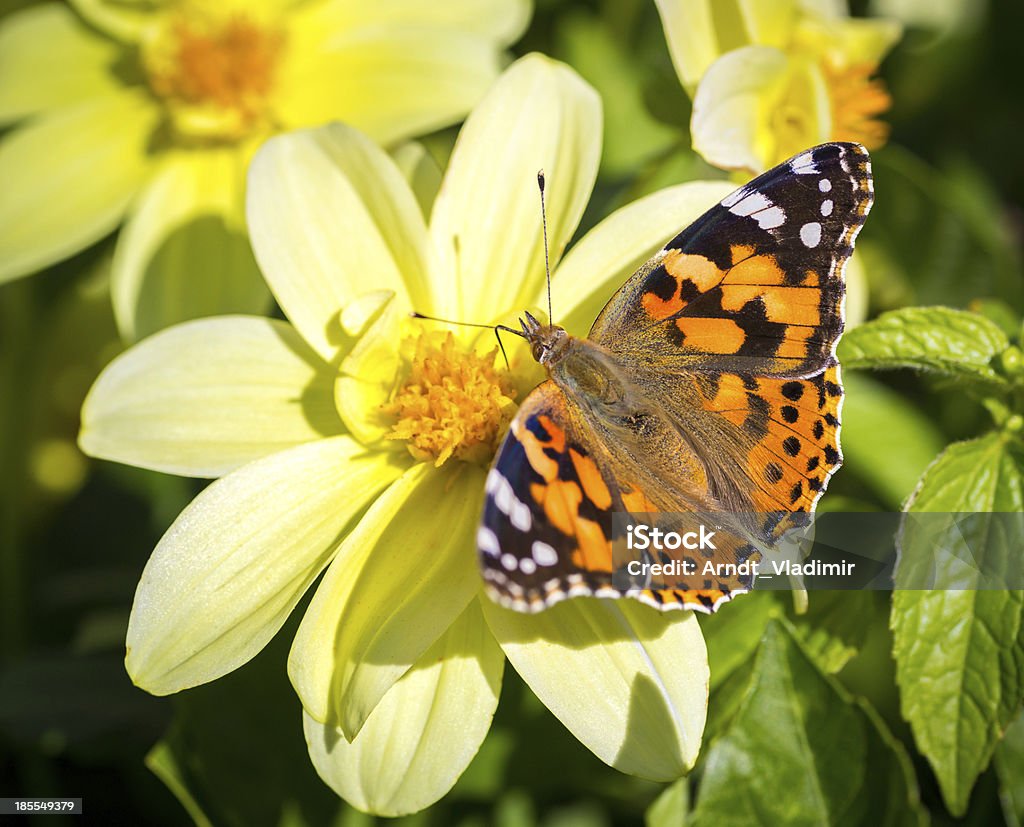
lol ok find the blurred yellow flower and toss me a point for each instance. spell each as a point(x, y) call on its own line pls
point(149, 113)
point(770, 78)
point(354, 441)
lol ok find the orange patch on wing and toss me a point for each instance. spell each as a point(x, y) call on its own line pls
point(658, 308)
point(590, 478)
point(556, 432)
point(636, 502)
point(794, 346)
point(539, 461)
point(701, 271)
point(562, 504)
point(783, 305)
point(740, 252)
point(712, 335)
point(594, 552)
point(755, 270)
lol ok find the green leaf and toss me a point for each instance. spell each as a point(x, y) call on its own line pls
point(732, 636)
point(670, 808)
point(1009, 764)
point(887, 441)
point(801, 751)
point(835, 627)
point(960, 652)
point(955, 342)
point(832, 631)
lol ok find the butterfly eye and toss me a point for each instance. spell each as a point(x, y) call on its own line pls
point(540, 351)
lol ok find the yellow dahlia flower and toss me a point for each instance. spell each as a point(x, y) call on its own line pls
point(148, 114)
point(769, 78)
point(354, 441)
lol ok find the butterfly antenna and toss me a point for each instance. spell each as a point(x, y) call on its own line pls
point(544, 225)
point(495, 328)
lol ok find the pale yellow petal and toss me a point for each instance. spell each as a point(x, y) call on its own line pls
point(68, 178)
point(602, 261)
point(420, 170)
point(366, 376)
point(392, 83)
point(331, 218)
point(700, 31)
point(485, 228)
point(205, 397)
point(501, 20)
point(231, 568)
point(184, 252)
point(425, 731)
point(627, 680)
point(124, 19)
point(755, 107)
point(403, 575)
point(49, 58)
point(850, 41)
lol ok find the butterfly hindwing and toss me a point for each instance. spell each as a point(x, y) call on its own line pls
point(546, 532)
point(755, 285)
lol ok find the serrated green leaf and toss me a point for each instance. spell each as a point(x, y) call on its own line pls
point(1009, 764)
point(960, 652)
point(670, 808)
point(801, 751)
point(954, 342)
point(887, 442)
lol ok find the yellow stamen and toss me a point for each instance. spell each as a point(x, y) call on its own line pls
point(857, 100)
point(218, 70)
point(453, 403)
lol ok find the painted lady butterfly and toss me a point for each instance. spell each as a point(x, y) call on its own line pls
point(708, 383)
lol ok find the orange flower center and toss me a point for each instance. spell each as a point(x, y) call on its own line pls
point(857, 101)
point(216, 73)
point(454, 403)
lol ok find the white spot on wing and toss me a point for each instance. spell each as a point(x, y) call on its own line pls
point(810, 234)
point(509, 561)
point(824, 185)
point(520, 516)
point(527, 566)
point(507, 502)
point(751, 204)
point(733, 197)
point(771, 218)
point(543, 554)
point(487, 541)
point(826, 207)
point(803, 164)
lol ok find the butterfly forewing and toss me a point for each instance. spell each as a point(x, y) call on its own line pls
point(755, 284)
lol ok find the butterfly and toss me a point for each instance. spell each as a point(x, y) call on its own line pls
point(709, 383)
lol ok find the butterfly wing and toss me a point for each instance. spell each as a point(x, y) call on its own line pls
point(547, 530)
point(739, 316)
point(755, 285)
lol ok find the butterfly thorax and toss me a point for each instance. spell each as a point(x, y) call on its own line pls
point(578, 366)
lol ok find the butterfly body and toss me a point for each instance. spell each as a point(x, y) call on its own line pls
point(708, 385)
